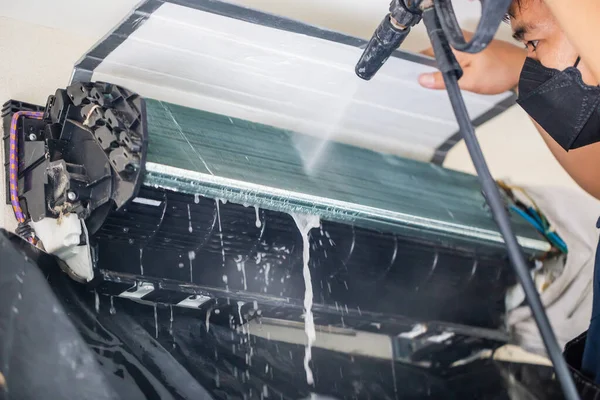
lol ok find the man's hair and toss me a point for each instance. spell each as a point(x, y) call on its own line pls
point(515, 4)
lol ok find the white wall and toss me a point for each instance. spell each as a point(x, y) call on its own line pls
point(86, 19)
point(36, 60)
point(361, 17)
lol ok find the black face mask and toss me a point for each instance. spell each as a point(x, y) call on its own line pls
point(567, 108)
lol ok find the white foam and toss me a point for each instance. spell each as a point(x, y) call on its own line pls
point(141, 265)
point(155, 322)
point(192, 257)
point(267, 269)
point(148, 202)
point(240, 304)
point(305, 223)
point(241, 267)
point(171, 322)
point(244, 281)
point(97, 301)
point(190, 229)
point(258, 222)
point(441, 338)
point(220, 231)
point(208, 320)
point(112, 310)
point(416, 331)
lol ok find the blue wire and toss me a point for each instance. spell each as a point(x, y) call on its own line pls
point(551, 236)
point(528, 218)
point(560, 243)
point(535, 215)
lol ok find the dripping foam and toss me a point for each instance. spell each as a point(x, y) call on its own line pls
point(305, 223)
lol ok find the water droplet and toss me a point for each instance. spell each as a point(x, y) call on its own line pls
point(155, 321)
point(97, 301)
point(220, 232)
point(112, 310)
point(171, 323)
point(141, 264)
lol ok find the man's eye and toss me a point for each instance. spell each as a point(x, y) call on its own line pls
point(531, 44)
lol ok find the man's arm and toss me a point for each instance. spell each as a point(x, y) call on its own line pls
point(580, 20)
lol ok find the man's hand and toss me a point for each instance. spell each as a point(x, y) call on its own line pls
point(495, 70)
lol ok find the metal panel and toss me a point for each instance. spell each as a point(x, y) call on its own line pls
point(216, 156)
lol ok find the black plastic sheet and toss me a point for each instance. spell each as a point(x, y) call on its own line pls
point(65, 341)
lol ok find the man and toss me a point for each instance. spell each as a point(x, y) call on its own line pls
point(557, 77)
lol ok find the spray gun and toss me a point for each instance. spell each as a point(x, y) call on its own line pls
point(390, 34)
point(404, 14)
point(445, 33)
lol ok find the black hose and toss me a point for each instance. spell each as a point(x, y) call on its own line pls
point(447, 64)
point(492, 14)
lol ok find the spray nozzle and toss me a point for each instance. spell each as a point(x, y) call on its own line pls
point(390, 34)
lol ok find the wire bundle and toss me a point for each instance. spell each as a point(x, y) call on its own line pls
point(537, 221)
point(14, 166)
point(533, 215)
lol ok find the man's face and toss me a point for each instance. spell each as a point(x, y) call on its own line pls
point(534, 26)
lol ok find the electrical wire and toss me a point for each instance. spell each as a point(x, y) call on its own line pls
point(533, 215)
point(536, 223)
point(510, 188)
point(13, 178)
point(445, 59)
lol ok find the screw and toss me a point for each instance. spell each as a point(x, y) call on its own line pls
point(32, 137)
point(72, 196)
